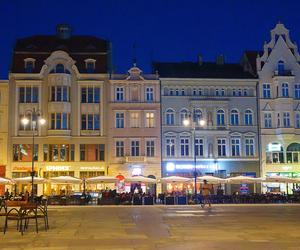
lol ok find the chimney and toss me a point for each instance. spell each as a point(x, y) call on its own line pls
point(63, 31)
point(220, 59)
point(200, 60)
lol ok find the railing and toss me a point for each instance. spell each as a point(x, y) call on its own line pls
point(283, 73)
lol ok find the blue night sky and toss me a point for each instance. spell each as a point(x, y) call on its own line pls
point(163, 30)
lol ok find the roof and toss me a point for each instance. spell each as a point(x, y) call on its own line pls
point(251, 56)
point(205, 70)
point(79, 48)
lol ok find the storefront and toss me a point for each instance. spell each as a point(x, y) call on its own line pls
point(218, 168)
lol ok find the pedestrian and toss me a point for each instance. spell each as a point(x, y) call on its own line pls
point(206, 189)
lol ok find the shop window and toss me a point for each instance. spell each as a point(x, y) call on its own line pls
point(274, 153)
point(59, 152)
point(292, 153)
point(51, 174)
point(90, 174)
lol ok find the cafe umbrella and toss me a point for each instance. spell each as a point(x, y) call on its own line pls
point(101, 179)
point(136, 179)
point(6, 181)
point(174, 179)
point(281, 179)
point(242, 179)
point(28, 179)
point(211, 179)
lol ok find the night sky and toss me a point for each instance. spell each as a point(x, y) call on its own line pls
point(163, 30)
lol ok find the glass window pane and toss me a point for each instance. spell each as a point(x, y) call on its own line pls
point(35, 94)
point(97, 95)
point(90, 95)
point(83, 95)
point(65, 121)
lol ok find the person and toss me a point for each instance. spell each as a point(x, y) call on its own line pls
point(6, 194)
point(206, 189)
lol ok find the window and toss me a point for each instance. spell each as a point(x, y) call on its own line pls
point(60, 68)
point(297, 120)
point(177, 92)
point(170, 117)
point(23, 152)
point(221, 147)
point(220, 118)
point(29, 65)
point(28, 94)
point(194, 92)
point(285, 90)
point(119, 148)
point(235, 146)
point(248, 117)
point(60, 121)
point(199, 147)
point(274, 153)
point(135, 148)
point(90, 122)
point(183, 115)
point(240, 92)
point(90, 65)
point(197, 115)
point(150, 148)
point(149, 94)
point(292, 153)
point(60, 94)
point(200, 92)
point(92, 152)
point(266, 90)
point(150, 120)
point(119, 120)
point(59, 152)
point(249, 146)
point(171, 92)
point(183, 92)
point(297, 91)
point(184, 146)
point(234, 117)
point(268, 120)
point(217, 92)
point(245, 92)
point(170, 147)
point(280, 67)
point(90, 94)
point(222, 92)
point(119, 94)
point(286, 119)
point(233, 92)
point(134, 119)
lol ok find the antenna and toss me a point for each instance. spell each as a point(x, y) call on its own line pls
point(134, 54)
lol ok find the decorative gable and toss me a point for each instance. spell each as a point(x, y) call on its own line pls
point(135, 73)
point(267, 107)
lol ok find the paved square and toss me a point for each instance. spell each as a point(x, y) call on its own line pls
point(163, 227)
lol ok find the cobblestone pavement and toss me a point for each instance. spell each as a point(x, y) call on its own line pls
point(162, 227)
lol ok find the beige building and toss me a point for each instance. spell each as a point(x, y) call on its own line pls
point(62, 77)
point(279, 107)
point(3, 129)
point(134, 125)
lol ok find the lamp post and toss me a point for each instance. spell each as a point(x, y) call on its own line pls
point(193, 122)
point(36, 117)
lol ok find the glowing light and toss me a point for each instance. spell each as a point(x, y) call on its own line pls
point(25, 120)
point(186, 122)
point(170, 166)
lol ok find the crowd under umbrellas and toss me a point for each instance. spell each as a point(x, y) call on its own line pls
point(69, 181)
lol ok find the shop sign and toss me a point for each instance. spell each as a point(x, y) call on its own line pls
point(272, 147)
point(171, 166)
point(57, 168)
point(92, 168)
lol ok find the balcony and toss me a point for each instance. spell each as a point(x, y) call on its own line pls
point(59, 79)
point(283, 73)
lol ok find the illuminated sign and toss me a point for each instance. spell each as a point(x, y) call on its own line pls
point(171, 166)
point(136, 171)
point(58, 168)
point(272, 147)
point(92, 168)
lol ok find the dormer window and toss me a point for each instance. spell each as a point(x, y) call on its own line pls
point(29, 65)
point(60, 68)
point(280, 68)
point(90, 65)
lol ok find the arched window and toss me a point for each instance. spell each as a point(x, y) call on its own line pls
point(280, 67)
point(234, 117)
point(183, 115)
point(59, 68)
point(197, 115)
point(220, 117)
point(285, 90)
point(292, 153)
point(170, 117)
point(248, 117)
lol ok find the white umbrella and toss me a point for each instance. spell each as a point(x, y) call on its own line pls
point(211, 179)
point(243, 179)
point(28, 179)
point(6, 181)
point(174, 179)
point(140, 179)
point(65, 180)
point(280, 179)
point(101, 179)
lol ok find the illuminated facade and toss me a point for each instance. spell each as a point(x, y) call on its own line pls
point(279, 106)
point(63, 76)
point(134, 124)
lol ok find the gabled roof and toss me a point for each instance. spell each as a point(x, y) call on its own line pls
point(205, 70)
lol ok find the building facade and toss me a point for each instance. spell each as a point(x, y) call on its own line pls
point(134, 125)
point(224, 96)
point(279, 106)
point(3, 129)
point(62, 77)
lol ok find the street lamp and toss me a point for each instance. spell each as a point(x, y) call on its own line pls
point(36, 118)
point(194, 122)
